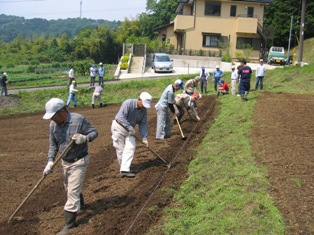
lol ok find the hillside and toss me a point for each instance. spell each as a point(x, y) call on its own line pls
point(11, 26)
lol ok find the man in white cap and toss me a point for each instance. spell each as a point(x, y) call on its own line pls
point(64, 127)
point(4, 81)
point(166, 101)
point(131, 113)
point(260, 74)
point(217, 75)
point(234, 80)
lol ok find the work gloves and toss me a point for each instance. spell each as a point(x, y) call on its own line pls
point(48, 168)
point(79, 138)
point(132, 132)
point(200, 95)
point(145, 142)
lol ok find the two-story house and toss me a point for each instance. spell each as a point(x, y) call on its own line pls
point(209, 25)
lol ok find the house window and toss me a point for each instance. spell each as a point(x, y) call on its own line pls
point(163, 37)
point(244, 43)
point(233, 10)
point(250, 11)
point(212, 8)
point(210, 40)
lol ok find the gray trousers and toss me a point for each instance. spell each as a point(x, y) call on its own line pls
point(163, 123)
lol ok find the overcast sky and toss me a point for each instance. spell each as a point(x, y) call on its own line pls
point(63, 9)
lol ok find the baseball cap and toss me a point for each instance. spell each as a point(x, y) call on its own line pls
point(203, 67)
point(179, 83)
point(146, 99)
point(217, 66)
point(195, 95)
point(53, 106)
point(5, 74)
point(261, 60)
point(100, 63)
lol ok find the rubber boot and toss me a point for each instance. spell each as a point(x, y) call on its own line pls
point(69, 222)
point(100, 105)
point(93, 106)
point(82, 202)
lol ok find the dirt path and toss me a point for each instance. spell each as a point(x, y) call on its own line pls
point(283, 140)
point(115, 205)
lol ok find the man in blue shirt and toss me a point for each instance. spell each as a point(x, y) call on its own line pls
point(131, 113)
point(217, 75)
point(101, 74)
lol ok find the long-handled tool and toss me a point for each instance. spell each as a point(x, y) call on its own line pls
point(67, 148)
point(168, 163)
point(188, 112)
point(182, 136)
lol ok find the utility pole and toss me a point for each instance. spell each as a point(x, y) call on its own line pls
point(290, 35)
point(81, 9)
point(301, 32)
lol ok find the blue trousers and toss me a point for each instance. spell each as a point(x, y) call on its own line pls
point(259, 81)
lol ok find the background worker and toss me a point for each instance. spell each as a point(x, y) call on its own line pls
point(234, 79)
point(185, 101)
point(260, 74)
point(131, 113)
point(97, 94)
point(4, 82)
point(204, 79)
point(166, 101)
point(217, 75)
point(64, 127)
point(191, 85)
point(71, 75)
point(223, 88)
point(92, 74)
point(101, 74)
point(72, 92)
point(245, 73)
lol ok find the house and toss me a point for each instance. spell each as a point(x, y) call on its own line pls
point(214, 26)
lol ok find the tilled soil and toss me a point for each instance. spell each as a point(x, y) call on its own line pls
point(282, 139)
point(115, 205)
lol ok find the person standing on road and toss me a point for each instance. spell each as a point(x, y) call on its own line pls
point(71, 75)
point(101, 74)
point(131, 113)
point(64, 127)
point(185, 101)
point(204, 80)
point(4, 82)
point(92, 73)
point(217, 75)
point(166, 101)
point(234, 79)
point(72, 92)
point(260, 74)
point(245, 73)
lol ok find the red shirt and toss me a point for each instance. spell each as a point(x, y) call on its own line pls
point(224, 86)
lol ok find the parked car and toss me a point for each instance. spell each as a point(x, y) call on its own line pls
point(162, 63)
point(277, 55)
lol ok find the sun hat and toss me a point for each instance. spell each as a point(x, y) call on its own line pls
point(197, 78)
point(146, 99)
point(179, 83)
point(53, 106)
point(195, 95)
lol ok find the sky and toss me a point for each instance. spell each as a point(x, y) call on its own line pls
point(63, 9)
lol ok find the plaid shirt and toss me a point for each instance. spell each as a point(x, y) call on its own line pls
point(60, 137)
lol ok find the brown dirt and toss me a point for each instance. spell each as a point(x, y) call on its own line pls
point(115, 205)
point(282, 139)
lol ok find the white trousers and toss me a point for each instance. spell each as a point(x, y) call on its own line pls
point(233, 87)
point(73, 178)
point(124, 144)
point(96, 96)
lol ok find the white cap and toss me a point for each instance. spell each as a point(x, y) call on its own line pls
point(5, 74)
point(146, 99)
point(217, 66)
point(53, 106)
point(100, 63)
point(261, 60)
point(179, 83)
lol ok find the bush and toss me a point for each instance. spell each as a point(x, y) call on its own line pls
point(125, 59)
point(124, 65)
point(10, 65)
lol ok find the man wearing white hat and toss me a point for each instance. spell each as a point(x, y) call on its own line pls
point(234, 79)
point(217, 75)
point(4, 81)
point(64, 127)
point(131, 113)
point(260, 74)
